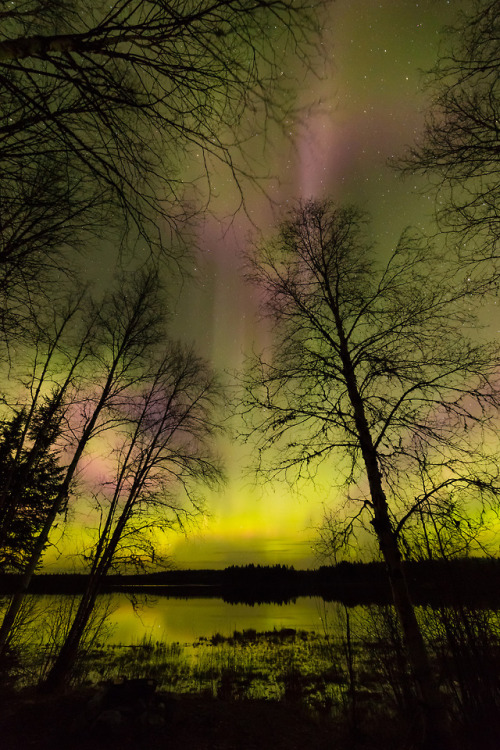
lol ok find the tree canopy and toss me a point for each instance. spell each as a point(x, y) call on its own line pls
point(125, 89)
point(460, 145)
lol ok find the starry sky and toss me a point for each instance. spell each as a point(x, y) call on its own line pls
point(362, 105)
point(356, 112)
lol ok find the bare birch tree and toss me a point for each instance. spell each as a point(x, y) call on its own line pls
point(166, 451)
point(46, 210)
point(127, 326)
point(119, 118)
point(37, 398)
point(369, 358)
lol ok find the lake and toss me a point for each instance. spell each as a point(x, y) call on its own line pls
point(176, 620)
point(185, 620)
point(169, 619)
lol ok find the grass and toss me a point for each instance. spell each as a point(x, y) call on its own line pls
point(273, 665)
point(354, 674)
point(295, 666)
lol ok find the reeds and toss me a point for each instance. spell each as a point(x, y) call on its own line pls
point(355, 670)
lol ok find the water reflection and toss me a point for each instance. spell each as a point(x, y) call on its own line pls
point(184, 620)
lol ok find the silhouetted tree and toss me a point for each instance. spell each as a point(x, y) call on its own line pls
point(126, 89)
point(46, 209)
point(116, 116)
point(30, 483)
point(34, 424)
point(458, 149)
point(126, 327)
point(369, 360)
point(165, 445)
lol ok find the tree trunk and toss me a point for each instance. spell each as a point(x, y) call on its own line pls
point(57, 505)
point(67, 656)
point(18, 598)
point(435, 730)
point(65, 660)
point(434, 715)
point(17, 49)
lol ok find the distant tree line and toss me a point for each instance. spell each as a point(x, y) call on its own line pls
point(460, 581)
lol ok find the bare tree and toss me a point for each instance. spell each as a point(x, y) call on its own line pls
point(46, 208)
point(459, 147)
point(115, 116)
point(166, 446)
point(128, 88)
point(444, 504)
point(37, 398)
point(451, 506)
point(126, 327)
point(369, 360)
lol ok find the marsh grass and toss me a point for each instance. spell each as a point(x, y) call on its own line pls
point(280, 665)
point(355, 671)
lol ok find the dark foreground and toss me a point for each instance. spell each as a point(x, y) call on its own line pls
point(80, 721)
point(182, 723)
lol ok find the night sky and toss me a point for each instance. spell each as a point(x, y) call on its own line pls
point(359, 110)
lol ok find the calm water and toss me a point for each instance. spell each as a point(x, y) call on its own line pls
point(185, 620)
point(169, 619)
point(173, 620)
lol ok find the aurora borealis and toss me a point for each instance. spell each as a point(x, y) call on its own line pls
point(362, 108)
